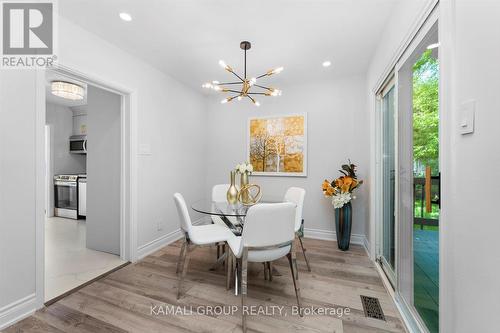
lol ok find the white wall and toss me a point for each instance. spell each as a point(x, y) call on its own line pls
point(60, 118)
point(171, 119)
point(103, 170)
point(79, 119)
point(470, 224)
point(337, 130)
point(17, 192)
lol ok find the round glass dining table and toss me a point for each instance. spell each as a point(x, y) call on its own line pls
point(233, 215)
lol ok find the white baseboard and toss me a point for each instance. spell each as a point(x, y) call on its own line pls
point(366, 244)
point(155, 245)
point(329, 235)
point(18, 310)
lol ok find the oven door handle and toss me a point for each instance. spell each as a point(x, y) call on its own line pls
point(60, 183)
point(85, 145)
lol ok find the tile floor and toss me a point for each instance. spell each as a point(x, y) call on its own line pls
point(68, 263)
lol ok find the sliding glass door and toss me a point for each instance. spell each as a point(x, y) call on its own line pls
point(409, 180)
point(426, 187)
point(387, 256)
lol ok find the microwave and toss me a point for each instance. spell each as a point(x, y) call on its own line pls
point(78, 144)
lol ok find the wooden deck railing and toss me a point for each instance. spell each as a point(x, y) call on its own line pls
point(419, 191)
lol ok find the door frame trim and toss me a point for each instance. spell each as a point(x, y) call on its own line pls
point(128, 174)
point(389, 83)
point(427, 18)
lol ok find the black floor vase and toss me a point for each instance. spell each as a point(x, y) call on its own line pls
point(343, 224)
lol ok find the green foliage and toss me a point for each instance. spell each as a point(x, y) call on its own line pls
point(426, 111)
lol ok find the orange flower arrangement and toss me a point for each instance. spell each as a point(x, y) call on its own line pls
point(341, 188)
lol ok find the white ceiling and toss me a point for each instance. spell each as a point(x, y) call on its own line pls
point(187, 38)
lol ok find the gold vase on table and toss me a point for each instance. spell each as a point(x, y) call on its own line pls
point(243, 182)
point(232, 192)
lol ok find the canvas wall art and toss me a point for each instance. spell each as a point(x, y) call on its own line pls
point(277, 146)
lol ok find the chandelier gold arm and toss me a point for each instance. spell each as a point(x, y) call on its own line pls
point(247, 83)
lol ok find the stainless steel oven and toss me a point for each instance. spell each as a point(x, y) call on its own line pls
point(78, 144)
point(66, 196)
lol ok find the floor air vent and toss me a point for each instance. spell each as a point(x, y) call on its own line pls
point(372, 307)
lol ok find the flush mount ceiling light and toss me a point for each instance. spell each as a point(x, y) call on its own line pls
point(67, 90)
point(327, 63)
point(126, 17)
point(246, 84)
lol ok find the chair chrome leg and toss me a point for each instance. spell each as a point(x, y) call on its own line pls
point(229, 264)
point(237, 276)
point(185, 263)
point(293, 253)
point(265, 270)
point(244, 266)
point(295, 283)
point(181, 254)
point(304, 253)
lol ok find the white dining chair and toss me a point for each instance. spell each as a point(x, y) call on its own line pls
point(297, 195)
point(219, 194)
point(268, 234)
point(195, 236)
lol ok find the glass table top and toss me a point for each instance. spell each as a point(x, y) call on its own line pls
point(233, 215)
point(209, 207)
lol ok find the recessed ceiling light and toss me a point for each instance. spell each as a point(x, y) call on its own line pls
point(327, 63)
point(432, 46)
point(126, 17)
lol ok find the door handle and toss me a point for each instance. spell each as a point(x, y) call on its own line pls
point(428, 189)
point(428, 184)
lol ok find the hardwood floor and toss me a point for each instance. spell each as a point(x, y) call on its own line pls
point(136, 297)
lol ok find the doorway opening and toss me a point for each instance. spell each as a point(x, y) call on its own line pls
point(83, 184)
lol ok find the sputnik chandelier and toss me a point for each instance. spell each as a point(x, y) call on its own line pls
point(246, 84)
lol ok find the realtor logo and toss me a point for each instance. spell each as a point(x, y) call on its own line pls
point(27, 29)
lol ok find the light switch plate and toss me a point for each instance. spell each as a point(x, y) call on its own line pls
point(144, 149)
point(467, 113)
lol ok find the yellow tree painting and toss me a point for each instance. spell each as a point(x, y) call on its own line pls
point(277, 145)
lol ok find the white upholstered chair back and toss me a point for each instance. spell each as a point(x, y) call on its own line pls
point(269, 225)
point(183, 212)
point(219, 192)
point(296, 195)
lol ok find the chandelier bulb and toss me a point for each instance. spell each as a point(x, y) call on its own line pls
point(275, 71)
point(275, 92)
point(215, 82)
point(224, 101)
point(256, 103)
point(240, 98)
